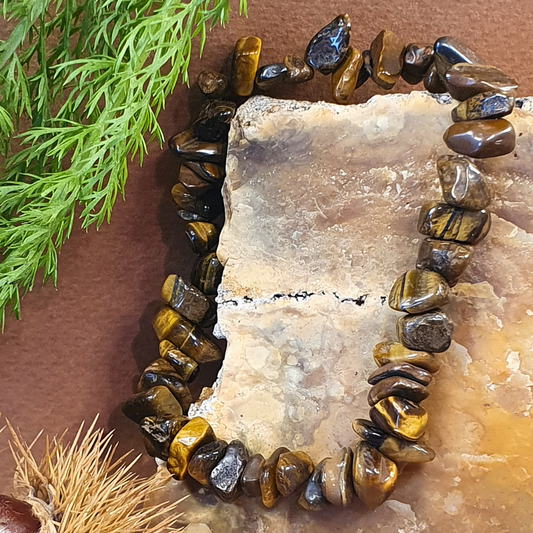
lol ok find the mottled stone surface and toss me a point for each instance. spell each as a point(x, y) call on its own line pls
point(322, 203)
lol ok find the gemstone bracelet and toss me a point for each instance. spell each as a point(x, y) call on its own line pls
point(398, 421)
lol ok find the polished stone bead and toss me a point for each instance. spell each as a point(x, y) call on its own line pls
point(453, 51)
point(465, 80)
point(205, 459)
point(400, 417)
point(405, 370)
point(449, 259)
point(374, 475)
point(418, 291)
point(462, 183)
point(226, 475)
point(443, 221)
point(186, 299)
point(267, 479)
point(398, 450)
point(250, 477)
point(394, 352)
point(431, 332)
point(293, 469)
point(158, 433)
point(158, 401)
point(186, 146)
point(203, 236)
point(195, 185)
point(481, 138)
point(298, 71)
point(328, 47)
point(205, 208)
point(17, 516)
point(312, 497)
point(213, 123)
point(160, 365)
point(208, 171)
point(187, 441)
point(387, 53)
point(170, 325)
point(365, 72)
point(183, 365)
point(397, 386)
point(269, 75)
point(245, 61)
point(212, 84)
point(490, 104)
point(208, 273)
point(345, 78)
point(153, 377)
point(433, 82)
point(337, 485)
point(417, 60)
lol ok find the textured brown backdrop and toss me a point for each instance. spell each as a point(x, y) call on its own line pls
point(77, 350)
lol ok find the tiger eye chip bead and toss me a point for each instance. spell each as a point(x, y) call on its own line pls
point(337, 484)
point(366, 70)
point(203, 236)
point(212, 84)
point(430, 332)
point(298, 71)
point(293, 469)
point(225, 477)
point(207, 273)
point(185, 298)
point(312, 497)
point(250, 477)
point(433, 82)
point(192, 207)
point(187, 441)
point(158, 433)
point(153, 377)
point(183, 365)
point(405, 370)
point(400, 417)
point(245, 62)
point(210, 172)
point(213, 123)
point(394, 352)
point(157, 401)
point(195, 185)
point(397, 386)
point(345, 77)
point(205, 459)
point(387, 52)
point(267, 479)
point(490, 104)
point(418, 291)
point(186, 146)
point(443, 221)
point(398, 450)
point(417, 60)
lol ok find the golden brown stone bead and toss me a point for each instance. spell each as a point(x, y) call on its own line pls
point(195, 185)
point(208, 273)
point(398, 450)
point(250, 477)
point(394, 352)
point(203, 236)
point(205, 459)
point(170, 325)
point(344, 79)
point(443, 221)
point(154, 376)
point(454, 51)
point(245, 62)
point(418, 291)
point(449, 259)
point(400, 417)
point(366, 70)
point(430, 331)
point(433, 82)
point(405, 370)
point(208, 171)
point(186, 146)
point(312, 497)
point(158, 433)
point(481, 138)
point(293, 469)
point(298, 71)
point(374, 475)
point(462, 183)
point(464, 80)
point(186, 299)
point(212, 84)
point(267, 479)
point(417, 60)
point(337, 484)
point(191, 207)
point(158, 401)
point(490, 104)
point(189, 438)
point(225, 477)
point(182, 364)
point(397, 386)
point(213, 122)
point(387, 52)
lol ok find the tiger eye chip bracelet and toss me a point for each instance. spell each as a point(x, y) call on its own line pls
point(400, 383)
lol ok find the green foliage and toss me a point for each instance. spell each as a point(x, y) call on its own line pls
point(84, 82)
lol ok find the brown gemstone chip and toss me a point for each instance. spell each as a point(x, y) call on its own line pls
point(186, 146)
point(433, 82)
point(158, 401)
point(481, 138)
point(374, 475)
point(405, 370)
point(454, 51)
point(207, 273)
point(269, 75)
point(190, 206)
point(205, 459)
point(154, 376)
point(250, 477)
point(245, 62)
point(443, 221)
point(430, 332)
point(225, 477)
point(267, 479)
point(344, 79)
point(491, 104)
point(183, 365)
point(208, 171)
point(194, 184)
point(298, 71)
point(465, 80)
point(400, 417)
point(158, 433)
point(203, 236)
point(185, 298)
point(212, 84)
point(398, 450)
point(387, 53)
point(394, 352)
point(418, 291)
point(293, 469)
point(337, 484)
point(417, 60)
point(397, 386)
point(366, 70)
point(312, 497)
point(462, 183)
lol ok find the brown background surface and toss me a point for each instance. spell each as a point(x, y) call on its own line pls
point(78, 350)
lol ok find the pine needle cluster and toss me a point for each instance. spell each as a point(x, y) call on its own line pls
point(82, 83)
